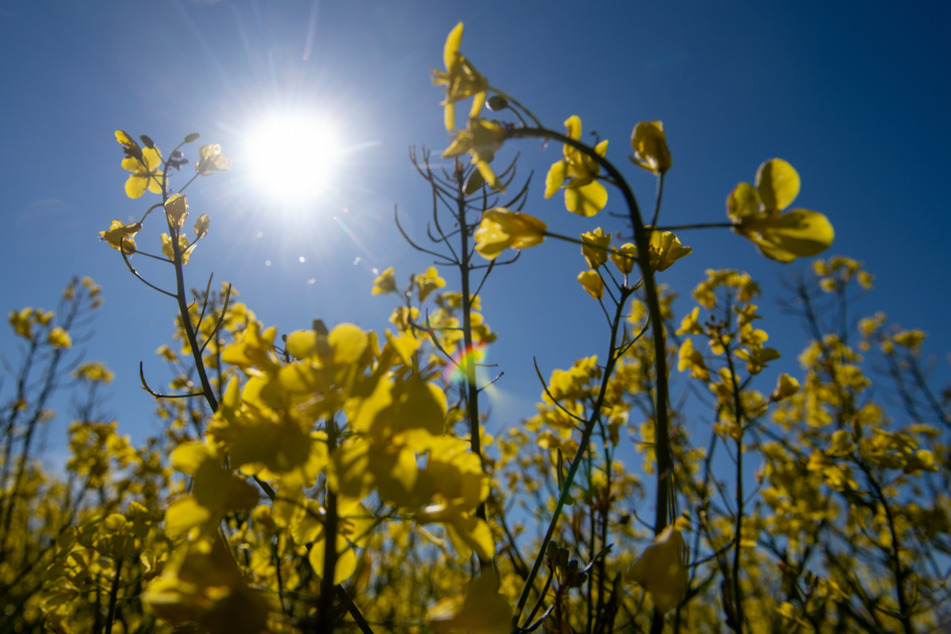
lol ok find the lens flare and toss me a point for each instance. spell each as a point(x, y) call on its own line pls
point(465, 358)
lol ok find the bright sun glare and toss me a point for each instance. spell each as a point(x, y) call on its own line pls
point(293, 156)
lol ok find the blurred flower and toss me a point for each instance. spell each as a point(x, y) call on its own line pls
point(385, 282)
point(59, 338)
point(502, 229)
point(594, 247)
point(461, 79)
point(650, 147)
point(481, 139)
point(176, 210)
point(661, 571)
point(592, 283)
point(211, 159)
point(755, 213)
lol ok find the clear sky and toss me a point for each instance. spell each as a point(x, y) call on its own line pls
point(856, 95)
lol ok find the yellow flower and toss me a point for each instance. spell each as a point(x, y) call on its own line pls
point(624, 257)
point(661, 571)
point(183, 246)
point(427, 282)
point(145, 165)
point(211, 159)
point(120, 236)
point(201, 226)
point(59, 338)
point(584, 195)
point(94, 372)
point(481, 139)
point(665, 249)
point(755, 213)
point(461, 79)
point(385, 282)
point(594, 247)
point(22, 322)
point(176, 210)
point(502, 229)
point(650, 147)
point(592, 283)
point(786, 386)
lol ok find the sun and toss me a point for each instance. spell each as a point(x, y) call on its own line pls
point(293, 156)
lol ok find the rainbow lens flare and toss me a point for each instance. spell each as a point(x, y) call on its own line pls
point(459, 364)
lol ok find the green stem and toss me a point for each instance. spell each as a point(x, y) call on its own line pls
point(472, 390)
point(589, 428)
point(664, 492)
point(642, 241)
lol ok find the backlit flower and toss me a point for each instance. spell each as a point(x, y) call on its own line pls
point(756, 214)
point(145, 165)
point(460, 78)
point(650, 147)
point(481, 138)
point(661, 570)
point(502, 229)
point(584, 195)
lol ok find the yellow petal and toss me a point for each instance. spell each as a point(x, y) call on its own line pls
point(573, 126)
point(742, 202)
point(586, 200)
point(135, 186)
point(556, 176)
point(650, 147)
point(451, 49)
point(661, 571)
point(794, 234)
point(778, 184)
point(592, 283)
point(485, 610)
point(346, 559)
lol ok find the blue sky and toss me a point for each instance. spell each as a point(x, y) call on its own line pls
point(855, 95)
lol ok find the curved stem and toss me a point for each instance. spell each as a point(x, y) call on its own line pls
point(642, 241)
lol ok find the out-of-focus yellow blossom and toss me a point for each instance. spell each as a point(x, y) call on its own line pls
point(59, 338)
point(661, 570)
point(201, 226)
point(624, 257)
point(22, 322)
point(145, 165)
point(460, 78)
point(93, 372)
point(650, 147)
point(910, 339)
point(427, 282)
point(594, 247)
point(584, 195)
point(484, 611)
point(690, 358)
point(169, 252)
point(385, 282)
point(211, 159)
point(786, 386)
point(481, 138)
point(502, 229)
point(121, 236)
point(665, 249)
point(756, 215)
point(176, 210)
point(592, 283)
